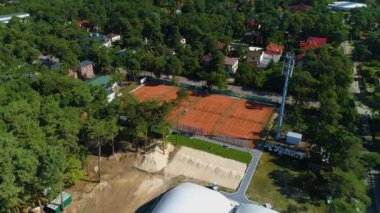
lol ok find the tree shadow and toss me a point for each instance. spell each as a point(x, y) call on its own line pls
point(89, 181)
point(148, 206)
point(253, 105)
point(292, 164)
point(288, 186)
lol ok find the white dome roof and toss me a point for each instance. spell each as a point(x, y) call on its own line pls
point(192, 198)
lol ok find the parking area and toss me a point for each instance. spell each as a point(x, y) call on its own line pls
point(282, 150)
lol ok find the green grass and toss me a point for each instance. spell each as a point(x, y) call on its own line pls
point(263, 188)
point(229, 153)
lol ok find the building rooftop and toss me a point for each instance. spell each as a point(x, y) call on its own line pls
point(299, 7)
point(313, 43)
point(7, 17)
point(230, 61)
point(85, 63)
point(253, 49)
point(345, 5)
point(274, 49)
point(100, 80)
point(111, 35)
point(294, 135)
point(190, 198)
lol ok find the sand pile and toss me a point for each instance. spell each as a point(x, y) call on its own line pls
point(154, 161)
point(206, 167)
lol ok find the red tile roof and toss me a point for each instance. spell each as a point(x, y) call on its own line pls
point(313, 43)
point(274, 49)
point(300, 56)
point(111, 35)
point(221, 45)
point(299, 7)
point(230, 61)
point(252, 23)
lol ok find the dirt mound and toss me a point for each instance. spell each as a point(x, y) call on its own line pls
point(206, 167)
point(154, 161)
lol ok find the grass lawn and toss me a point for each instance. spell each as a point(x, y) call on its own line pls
point(265, 186)
point(127, 89)
point(229, 153)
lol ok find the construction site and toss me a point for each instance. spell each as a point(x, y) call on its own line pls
point(227, 119)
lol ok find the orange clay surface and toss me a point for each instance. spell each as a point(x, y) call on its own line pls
point(213, 115)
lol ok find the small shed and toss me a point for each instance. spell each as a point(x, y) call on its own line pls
point(55, 205)
point(293, 138)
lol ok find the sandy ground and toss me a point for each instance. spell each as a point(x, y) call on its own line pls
point(123, 188)
point(130, 181)
point(206, 167)
point(155, 160)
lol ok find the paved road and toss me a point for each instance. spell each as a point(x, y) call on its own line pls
point(356, 89)
point(240, 194)
point(346, 47)
point(274, 97)
point(355, 86)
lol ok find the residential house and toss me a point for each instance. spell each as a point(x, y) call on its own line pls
point(231, 64)
point(97, 37)
point(299, 7)
point(313, 43)
point(84, 24)
point(206, 59)
point(273, 52)
point(113, 37)
point(104, 81)
point(223, 46)
point(309, 44)
point(50, 61)
point(86, 70)
point(6, 18)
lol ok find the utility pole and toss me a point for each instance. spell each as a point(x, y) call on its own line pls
point(288, 72)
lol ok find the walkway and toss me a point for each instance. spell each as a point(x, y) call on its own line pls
point(240, 194)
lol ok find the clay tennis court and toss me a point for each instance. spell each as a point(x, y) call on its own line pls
point(212, 115)
point(156, 92)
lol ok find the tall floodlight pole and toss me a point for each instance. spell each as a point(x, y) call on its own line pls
point(288, 72)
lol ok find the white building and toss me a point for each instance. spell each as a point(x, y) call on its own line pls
point(6, 18)
point(266, 58)
point(293, 138)
point(192, 198)
point(182, 41)
point(113, 37)
point(101, 38)
point(345, 5)
point(273, 53)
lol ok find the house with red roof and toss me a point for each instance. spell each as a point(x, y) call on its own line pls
point(299, 7)
point(273, 52)
point(223, 46)
point(311, 43)
point(113, 37)
point(85, 24)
